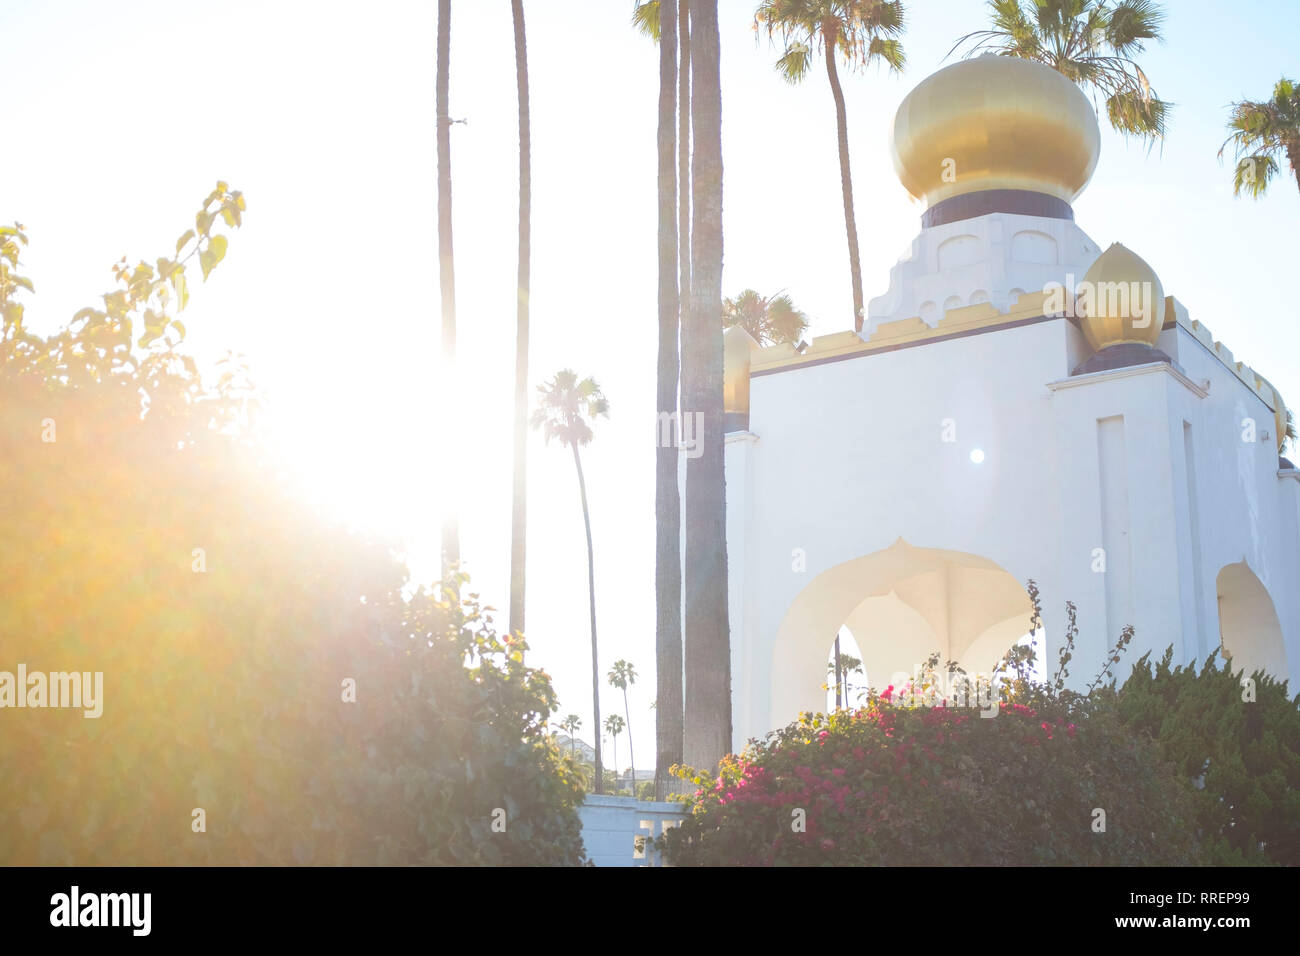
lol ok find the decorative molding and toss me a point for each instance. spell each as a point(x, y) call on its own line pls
point(1088, 378)
point(806, 361)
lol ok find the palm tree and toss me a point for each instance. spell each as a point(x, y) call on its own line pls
point(614, 727)
point(1090, 42)
point(674, 289)
point(565, 408)
point(621, 675)
point(446, 272)
point(843, 665)
point(571, 725)
point(1261, 133)
point(863, 31)
point(771, 320)
point(707, 636)
point(519, 499)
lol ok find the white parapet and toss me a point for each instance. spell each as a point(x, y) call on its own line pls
point(618, 831)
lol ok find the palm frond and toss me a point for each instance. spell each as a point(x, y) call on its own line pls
point(889, 52)
point(1253, 174)
point(1134, 114)
point(645, 18)
point(794, 64)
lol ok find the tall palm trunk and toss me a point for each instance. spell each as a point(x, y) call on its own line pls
point(446, 273)
point(707, 643)
point(839, 679)
point(846, 180)
point(668, 557)
point(684, 159)
point(519, 510)
point(631, 751)
point(591, 592)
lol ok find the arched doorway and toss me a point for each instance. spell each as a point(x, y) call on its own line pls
point(1249, 630)
point(900, 604)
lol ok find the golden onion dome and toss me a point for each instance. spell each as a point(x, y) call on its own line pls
point(995, 122)
point(1120, 300)
point(737, 344)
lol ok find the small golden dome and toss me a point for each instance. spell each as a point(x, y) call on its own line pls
point(737, 344)
point(1120, 300)
point(995, 122)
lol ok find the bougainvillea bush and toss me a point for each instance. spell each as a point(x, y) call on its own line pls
point(884, 785)
point(1052, 778)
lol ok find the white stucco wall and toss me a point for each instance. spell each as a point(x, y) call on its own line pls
point(845, 458)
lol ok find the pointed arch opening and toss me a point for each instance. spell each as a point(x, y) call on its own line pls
point(1249, 630)
point(899, 605)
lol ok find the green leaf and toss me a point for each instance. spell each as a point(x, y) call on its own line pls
point(179, 326)
point(181, 287)
point(180, 243)
point(116, 302)
point(215, 252)
point(25, 283)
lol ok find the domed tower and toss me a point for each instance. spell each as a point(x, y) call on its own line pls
point(997, 148)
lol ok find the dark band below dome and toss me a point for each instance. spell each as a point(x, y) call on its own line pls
point(1019, 201)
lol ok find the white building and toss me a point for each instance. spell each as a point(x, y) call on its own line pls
point(905, 482)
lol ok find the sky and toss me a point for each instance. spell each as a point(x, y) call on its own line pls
point(120, 118)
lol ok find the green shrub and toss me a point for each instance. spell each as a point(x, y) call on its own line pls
point(1244, 754)
point(223, 668)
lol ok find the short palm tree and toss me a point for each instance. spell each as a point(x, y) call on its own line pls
point(842, 666)
point(770, 319)
point(1090, 42)
point(621, 676)
point(571, 725)
point(565, 410)
point(862, 32)
point(1261, 134)
point(614, 726)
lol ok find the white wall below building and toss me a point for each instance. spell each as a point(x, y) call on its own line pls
point(611, 827)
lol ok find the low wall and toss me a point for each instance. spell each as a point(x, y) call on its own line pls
point(611, 826)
